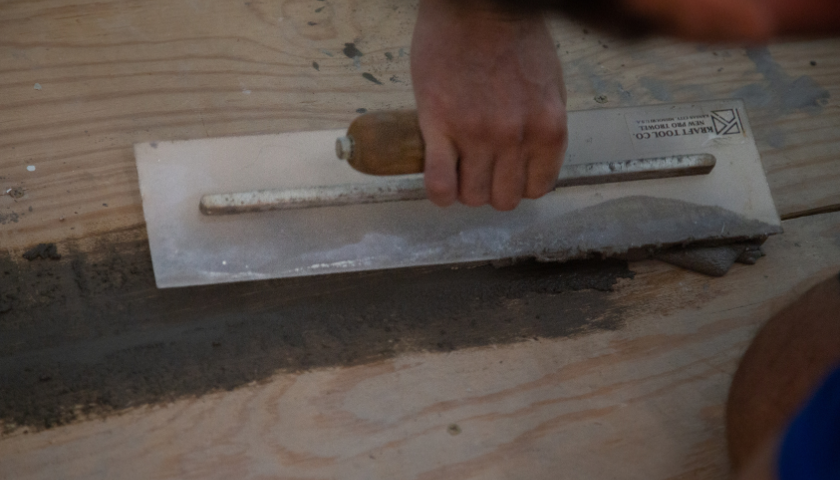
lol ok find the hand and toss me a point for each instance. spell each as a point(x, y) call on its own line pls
point(491, 103)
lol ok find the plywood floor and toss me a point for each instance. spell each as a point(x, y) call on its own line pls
point(586, 371)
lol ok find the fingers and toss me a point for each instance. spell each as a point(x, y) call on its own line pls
point(475, 175)
point(530, 169)
point(547, 154)
point(508, 162)
point(509, 180)
point(487, 145)
point(510, 169)
point(441, 168)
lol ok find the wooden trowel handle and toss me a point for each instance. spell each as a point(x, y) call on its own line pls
point(383, 143)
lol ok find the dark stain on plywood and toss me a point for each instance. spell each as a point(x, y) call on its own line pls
point(351, 51)
point(90, 334)
point(371, 78)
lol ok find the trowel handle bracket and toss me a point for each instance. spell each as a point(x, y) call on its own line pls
point(413, 188)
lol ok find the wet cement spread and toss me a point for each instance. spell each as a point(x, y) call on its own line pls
point(89, 334)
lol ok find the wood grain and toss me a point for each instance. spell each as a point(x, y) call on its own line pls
point(114, 73)
point(645, 401)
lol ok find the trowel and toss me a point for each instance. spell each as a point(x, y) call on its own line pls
point(635, 181)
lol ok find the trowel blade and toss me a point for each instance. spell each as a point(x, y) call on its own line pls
point(732, 202)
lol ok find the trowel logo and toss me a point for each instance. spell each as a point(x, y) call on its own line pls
point(726, 122)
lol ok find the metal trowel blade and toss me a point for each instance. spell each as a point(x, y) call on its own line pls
point(732, 202)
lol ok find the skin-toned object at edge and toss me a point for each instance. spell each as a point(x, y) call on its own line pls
point(776, 376)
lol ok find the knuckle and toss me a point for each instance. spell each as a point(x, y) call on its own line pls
point(540, 184)
point(551, 126)
point(473, 198)
point(437, 190)
point(545, 167)
point(534, 193)
point(509, 132)
point(444, 202)
point(537, 189)
point(505, 204)
point(440, 191)
point(549, 146)
point(498, 131)
point(555, 110)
